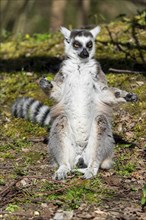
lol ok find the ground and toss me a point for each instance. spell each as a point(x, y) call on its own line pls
point(27, 189)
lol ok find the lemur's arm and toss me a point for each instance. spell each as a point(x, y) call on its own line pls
point(122, 94)
point(108, 95)
point(111, 95)
point(54, 88)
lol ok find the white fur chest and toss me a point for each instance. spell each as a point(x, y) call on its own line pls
point(79, 95)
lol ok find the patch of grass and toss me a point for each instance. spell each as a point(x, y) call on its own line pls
point(2, 181)
point(7, 155)
point(124, 168)
point(12, 207)
point(124, 164)
point(87, 191)
point(143, 198)
point(20, 130)
point(33, 157)
point(15, 144)
point(20, 171)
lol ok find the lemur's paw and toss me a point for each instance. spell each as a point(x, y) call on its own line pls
point(131, 97)
point(61, 173)
point(90, 173)
point(45, 84)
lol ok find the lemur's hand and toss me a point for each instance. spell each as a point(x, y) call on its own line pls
point(131, 97)
point(46, 86)
point(126, 96)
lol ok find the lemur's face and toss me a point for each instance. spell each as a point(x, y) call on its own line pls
point(80, 44)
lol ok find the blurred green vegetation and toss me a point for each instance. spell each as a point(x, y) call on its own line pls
point(36, 16)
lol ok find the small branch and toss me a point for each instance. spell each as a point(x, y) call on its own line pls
point(7, 189)
point(60, 189)
point(36, 140)
point(44, 177)
point(126, 44)
point(12, 190)
point(6, 167)
point(15, 214)
point(119, 47)
point(134, 35)
point(126, 71)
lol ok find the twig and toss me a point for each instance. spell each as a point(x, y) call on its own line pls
point(126, 71)
point(44, 177)
point(6, 167)
point(126, 44)
point(36, 140)
point(55, 181)
point(15, 214)
point(60, 189)
point(7, 189)
point(119, 47)
point(10, 198)
point(138, 44)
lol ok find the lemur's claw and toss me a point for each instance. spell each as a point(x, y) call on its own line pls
point(131, 97)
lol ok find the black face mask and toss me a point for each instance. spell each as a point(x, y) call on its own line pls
point(84, 54)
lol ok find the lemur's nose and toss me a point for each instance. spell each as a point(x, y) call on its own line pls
point(84, 53)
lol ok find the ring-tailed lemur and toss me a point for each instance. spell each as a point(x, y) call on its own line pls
point(81, 133)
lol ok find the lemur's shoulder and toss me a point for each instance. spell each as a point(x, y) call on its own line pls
point(99, 74)
point(59, 77)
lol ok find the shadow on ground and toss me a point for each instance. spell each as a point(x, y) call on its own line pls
point(40, 64)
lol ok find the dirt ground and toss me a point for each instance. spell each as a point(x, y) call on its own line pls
point(34, 193)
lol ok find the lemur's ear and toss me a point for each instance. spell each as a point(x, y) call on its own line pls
point(66, 33)
point(95, 31)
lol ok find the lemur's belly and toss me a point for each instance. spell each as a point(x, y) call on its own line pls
point(78, 101)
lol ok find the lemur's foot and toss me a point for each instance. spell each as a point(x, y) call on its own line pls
point(61, 173)
point(45, 85)
point(131, 97)
point(90, 172)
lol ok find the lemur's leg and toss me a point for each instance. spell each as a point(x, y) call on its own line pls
point(61, 146)
point(99, 151)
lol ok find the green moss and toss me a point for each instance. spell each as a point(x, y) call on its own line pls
point(20, 171)
point(12, 207)
point(2, 182)
point(7, 155)
point(127, 169)
point(33, 157)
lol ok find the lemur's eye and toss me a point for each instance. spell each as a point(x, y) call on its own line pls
point(76, 44)
point(89, 44)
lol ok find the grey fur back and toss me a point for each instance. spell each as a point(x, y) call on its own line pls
point(32, 110)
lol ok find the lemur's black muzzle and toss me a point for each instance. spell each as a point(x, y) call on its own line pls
point(84, 53)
